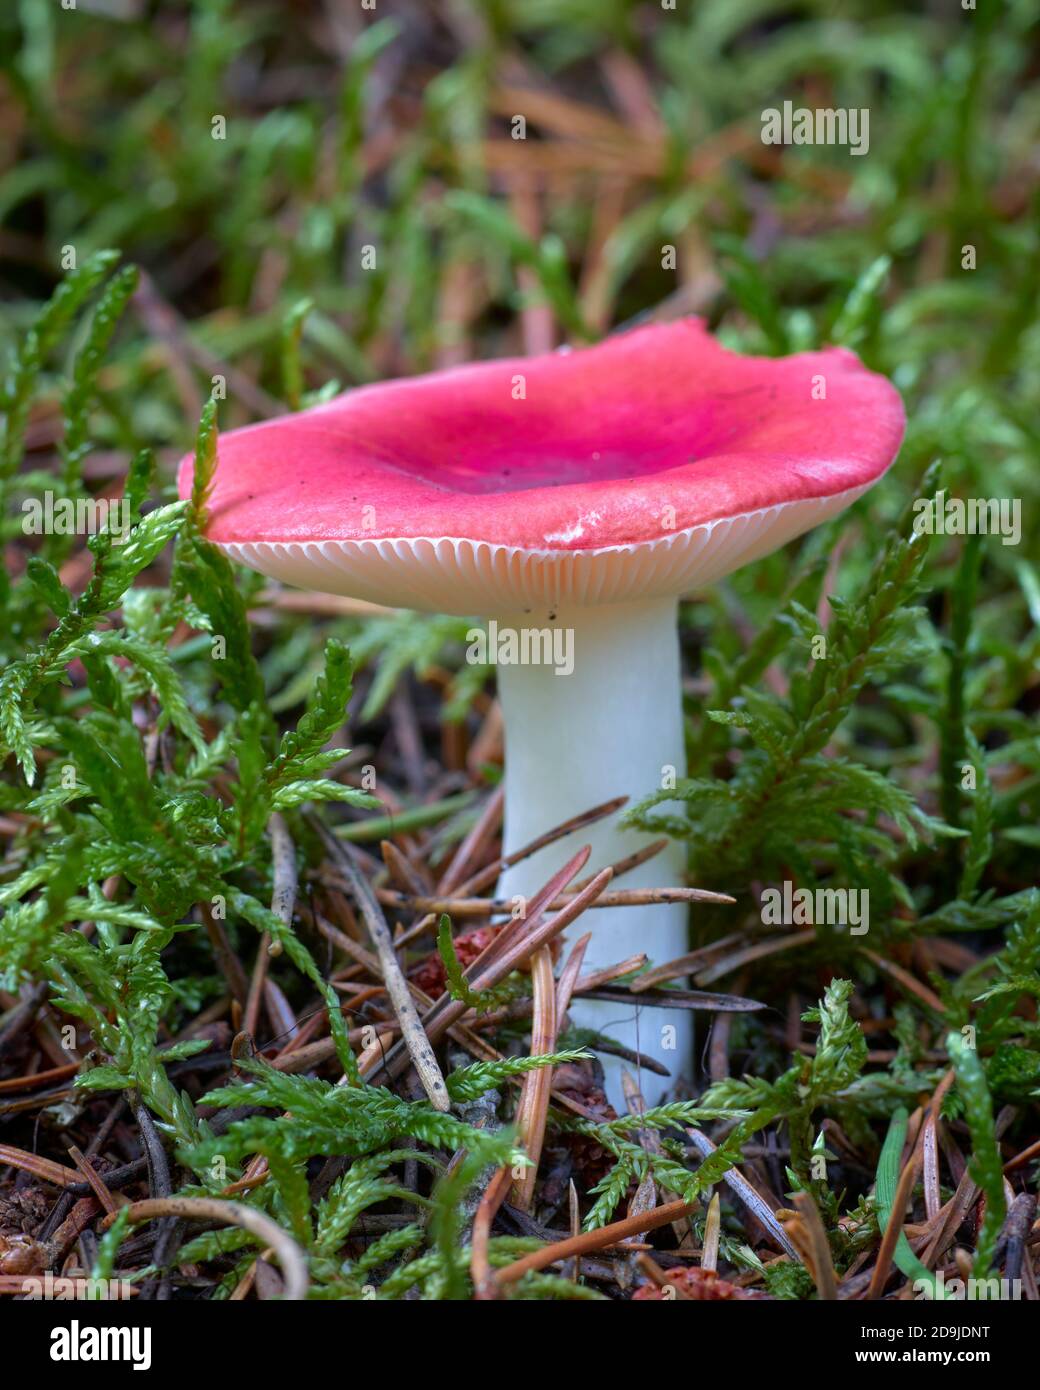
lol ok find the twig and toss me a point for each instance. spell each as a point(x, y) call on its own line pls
point(115, 1178)
point(1016, 1231)
point(822, 1266)
point(486, 824)
point(712, 1231)
point(683, 965)
point(679, 999)
point(158, 1164)
point(930, 1149)
point(39, 1078)
point(491, 871)
point(630, 861)
point(42, 1168)
point(400, 868)
point(1033, 1151)
point(415, 1038)
point(534, 1097)
point(161, 1186)
point(594, 1240)
point(283, 855)
point(597, 978)
point(574, 1211)
point(956, 1210)
point(569, 975)
point(485, 1285)
point(756, 952)
point(95, 1182)
point(503, 907)
point(745, 1193)
point(908, 981)
point(290, 1256)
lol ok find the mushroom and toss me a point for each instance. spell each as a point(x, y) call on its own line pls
point(571, 498)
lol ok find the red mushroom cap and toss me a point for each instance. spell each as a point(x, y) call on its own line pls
point(647, 465)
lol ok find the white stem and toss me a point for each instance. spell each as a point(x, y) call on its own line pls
point(612, 726)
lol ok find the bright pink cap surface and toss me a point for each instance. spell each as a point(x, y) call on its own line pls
point(568, 451)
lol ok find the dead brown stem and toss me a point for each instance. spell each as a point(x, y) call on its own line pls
point(502, 907)
point(290, 1256)
point(593, 1240)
